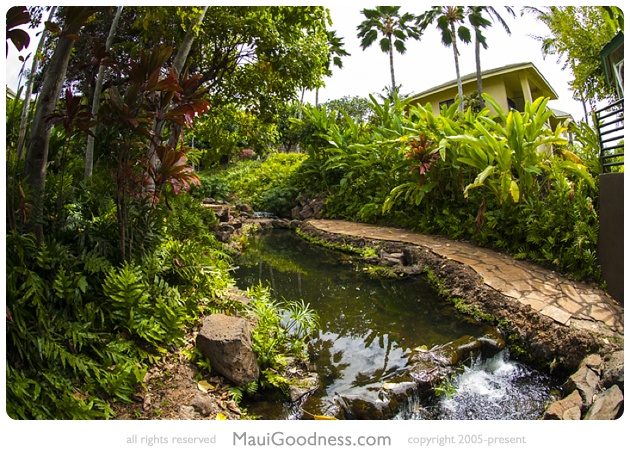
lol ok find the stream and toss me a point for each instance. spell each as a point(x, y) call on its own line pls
point(369, 326)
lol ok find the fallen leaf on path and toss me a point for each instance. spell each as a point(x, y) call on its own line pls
point(205, 386)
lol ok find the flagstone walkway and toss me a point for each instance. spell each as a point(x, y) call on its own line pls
point(567, 302)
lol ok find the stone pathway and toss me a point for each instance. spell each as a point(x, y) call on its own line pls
point(567, 302)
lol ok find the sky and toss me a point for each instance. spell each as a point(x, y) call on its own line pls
point(426, 63)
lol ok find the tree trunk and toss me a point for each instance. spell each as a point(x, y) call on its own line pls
point(478, 68)
point(184, 49)
point(37, 153)
point(460, 89)
point(29, 90)
point(391, 65)
point(89, 151)
point(178, 66)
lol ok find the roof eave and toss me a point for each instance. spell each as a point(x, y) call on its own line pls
point(494, 72)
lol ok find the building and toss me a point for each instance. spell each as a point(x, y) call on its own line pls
point(609, 122)
point(612, 59)
point(10, 94)
point(510, 86)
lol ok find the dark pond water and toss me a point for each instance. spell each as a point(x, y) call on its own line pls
point(368, 325)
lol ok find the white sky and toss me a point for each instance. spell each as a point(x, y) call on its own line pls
point(426, 63)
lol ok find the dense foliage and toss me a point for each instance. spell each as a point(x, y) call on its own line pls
point(271, 185)
point(82, 331)
point(504, 180)
point(123, 264)
point(577, 35)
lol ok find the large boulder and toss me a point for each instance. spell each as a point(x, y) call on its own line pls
point(606, 405)
point(612, 371)
point(227, 342)
point(569, 408)
point(585, 381)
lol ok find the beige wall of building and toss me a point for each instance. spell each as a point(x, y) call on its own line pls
point(510, 86)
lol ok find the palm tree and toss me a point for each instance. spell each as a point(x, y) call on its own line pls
point(394, 28)
point(478, 21)
point(447, 17)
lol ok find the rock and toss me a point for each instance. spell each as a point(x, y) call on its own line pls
point(388, 261)
point(569, 408)
point(237, 295)
point(308, 208)
point(606, 405)
point(227, 228)
point(244, 208)
point(223, 237)
point(303, 387)
point(227, 342)
point(280, 223)
point(358, 408)
point(612, 369)
point(306, 213)
point(491, 343)
point(427, 371)
point(204, 405)
point(593, 361)
point(411, 255)
point(585, 381)
point(223, 214)
point(460, 350)
point(317, 205)
point(187, 412)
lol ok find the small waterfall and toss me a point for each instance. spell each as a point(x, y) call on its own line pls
point(491, 389)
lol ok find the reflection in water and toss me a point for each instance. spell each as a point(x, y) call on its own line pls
point(368, 325)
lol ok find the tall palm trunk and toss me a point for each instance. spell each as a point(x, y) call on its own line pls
point(391, 64)
point(460, 89)
point(478, 68)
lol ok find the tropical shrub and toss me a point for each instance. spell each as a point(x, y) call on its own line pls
point(270, 185)
point(282, 330)
point(504, 180)
point(82, 330)
point(62, 360)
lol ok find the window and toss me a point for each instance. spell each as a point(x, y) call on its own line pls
point(511, 104)
point(447, 103)
point(618, 67)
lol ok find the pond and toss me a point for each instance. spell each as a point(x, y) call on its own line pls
point(368, 325)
